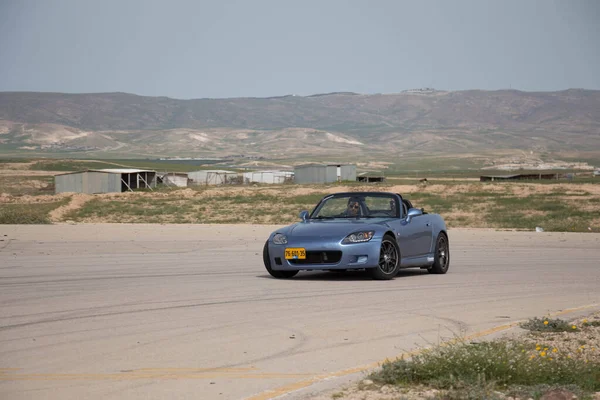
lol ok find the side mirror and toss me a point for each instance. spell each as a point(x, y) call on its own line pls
point(303, 215)
point(413, 212)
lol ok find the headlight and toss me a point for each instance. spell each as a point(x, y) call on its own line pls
point(358, 237)
point(280, 238)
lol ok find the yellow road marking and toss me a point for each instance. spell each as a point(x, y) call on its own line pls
point(280, 391)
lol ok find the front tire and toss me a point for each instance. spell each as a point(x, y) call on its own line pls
point(442, 255)
point(275, 274)
point(389, 259)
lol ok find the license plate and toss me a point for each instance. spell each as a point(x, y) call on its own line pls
point(295, 253)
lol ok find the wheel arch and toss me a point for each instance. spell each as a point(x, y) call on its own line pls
point(445, 234)
point(391, 233)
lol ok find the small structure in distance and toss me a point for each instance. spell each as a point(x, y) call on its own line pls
point(115, 180)
point(370, 177)
point(324, 173)
point(518, 177)
point(177, 179)
point(269, 177)
point(214, 177)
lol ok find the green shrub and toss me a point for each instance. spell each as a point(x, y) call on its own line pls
point(502, 363)
point(547, 325)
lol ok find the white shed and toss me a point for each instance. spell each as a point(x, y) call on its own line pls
point(179, 179)
point(272, 177)
point(213, 177)
point(324, 173)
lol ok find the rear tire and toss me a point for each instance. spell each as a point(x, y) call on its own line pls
point(275, 274)
point(389, 260)
point(441, 256)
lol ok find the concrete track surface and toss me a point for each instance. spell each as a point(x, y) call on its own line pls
point(189, 312)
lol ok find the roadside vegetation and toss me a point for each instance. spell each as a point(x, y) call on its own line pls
point(552, 355)
point(565, 207)
point(33, 213)
point(463, 201)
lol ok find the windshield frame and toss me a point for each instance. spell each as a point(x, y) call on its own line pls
point(362, 196)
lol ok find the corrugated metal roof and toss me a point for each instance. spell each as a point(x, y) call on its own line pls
point(372, 174)
point(273, 171)
point(310, 165)
point(500, 176)
point(122, 170)
point(174, 174)
point(110, 171)
point(324, 165)
point(218, 171)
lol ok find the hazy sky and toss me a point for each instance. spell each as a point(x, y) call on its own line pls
point(196, 49)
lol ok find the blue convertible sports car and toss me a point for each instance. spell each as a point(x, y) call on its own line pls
point(376, 231)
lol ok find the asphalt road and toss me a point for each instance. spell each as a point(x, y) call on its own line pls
point(188, 311)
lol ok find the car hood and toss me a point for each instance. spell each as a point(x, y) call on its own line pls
point(333, 228)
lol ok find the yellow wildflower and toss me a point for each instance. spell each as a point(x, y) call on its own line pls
point(555, 350)
point(545, 322)
point(538, 348)
point(574, 327)
point(543, 354)
point(585, 321)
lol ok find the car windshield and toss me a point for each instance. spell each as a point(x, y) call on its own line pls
point(357, 206)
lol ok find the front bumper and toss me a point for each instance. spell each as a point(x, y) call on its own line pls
point(353, 256)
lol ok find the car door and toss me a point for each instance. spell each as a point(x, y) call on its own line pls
point(421, 230)
point(414, 236)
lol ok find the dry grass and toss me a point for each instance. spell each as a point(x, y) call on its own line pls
point(502, 205)
point(34, 213)
point(18, 185)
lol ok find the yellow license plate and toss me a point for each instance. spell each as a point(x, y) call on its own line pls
point(293, 253)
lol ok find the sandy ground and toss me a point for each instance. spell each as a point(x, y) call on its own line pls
point(188, 311)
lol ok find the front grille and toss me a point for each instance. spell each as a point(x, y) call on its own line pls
point(319, 257)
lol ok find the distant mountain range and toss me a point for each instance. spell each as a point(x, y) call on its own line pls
point(421, 121)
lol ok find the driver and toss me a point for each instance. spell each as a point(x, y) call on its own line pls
point(353, 209)
point(393, 207)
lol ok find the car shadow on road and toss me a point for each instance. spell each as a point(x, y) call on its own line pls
point(346, 275)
